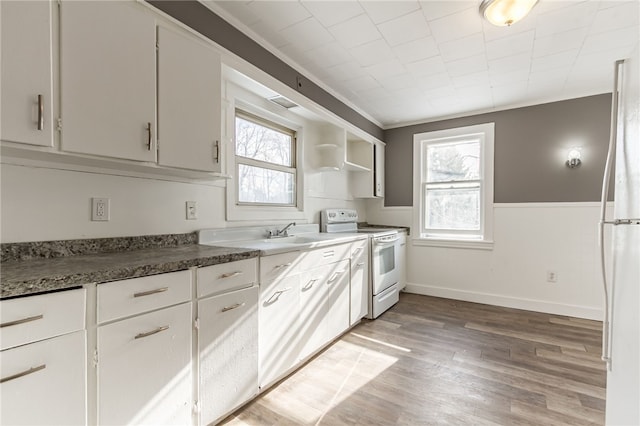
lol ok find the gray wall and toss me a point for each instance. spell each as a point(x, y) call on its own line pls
point(212, 26)
point(530, 147)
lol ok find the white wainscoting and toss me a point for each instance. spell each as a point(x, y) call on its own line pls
point(530, 240)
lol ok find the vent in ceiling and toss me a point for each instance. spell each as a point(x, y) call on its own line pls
point(283, 102)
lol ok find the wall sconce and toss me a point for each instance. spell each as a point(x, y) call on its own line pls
point(573, 158)
point(505, 12)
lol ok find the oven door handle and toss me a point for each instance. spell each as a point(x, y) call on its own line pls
point(385, 242)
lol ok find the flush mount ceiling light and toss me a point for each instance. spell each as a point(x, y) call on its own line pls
point(504, 13)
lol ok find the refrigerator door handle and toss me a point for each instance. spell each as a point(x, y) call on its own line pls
point(606, 326)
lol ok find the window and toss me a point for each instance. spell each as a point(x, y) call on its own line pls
point(265, 162)
point(453, 186)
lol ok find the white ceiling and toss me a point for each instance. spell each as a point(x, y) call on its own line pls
point(401, 62)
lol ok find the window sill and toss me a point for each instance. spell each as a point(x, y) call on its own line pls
point(461, 244)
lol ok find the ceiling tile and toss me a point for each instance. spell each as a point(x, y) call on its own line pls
point(472, 79)
point(271, 36)
point(417, 49)
point(467, 65)
point(346, 71)
point(372, 53)
point(307, 34)
point(462, 48)
point(425, 67)
point(559, 42)
point(362, 83)
point(603, 41)
point(568, 18)
point(405, 28)
point(520, 75)
point(456, 26)
point(240, 11)
point(433, 81)
point(439, 9)
point(381, 11)
point(512, 44)
point(398, 82)
point(330, 13)
point(492, 32)
point(279, 15)
point(355, 31)
point(384, 70)
point(550, 62)
point(624, 15)
point(510, 63)
point(329, 54)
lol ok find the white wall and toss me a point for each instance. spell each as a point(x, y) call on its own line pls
point(529, 240)
point(41, 204)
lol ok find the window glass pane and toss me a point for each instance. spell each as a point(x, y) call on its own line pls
point(258, 185)
point(452, 208)
point(453, 161)
point(263, 143)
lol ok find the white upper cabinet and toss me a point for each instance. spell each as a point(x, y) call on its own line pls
point(189, 91)
point(108, 79)
point(26, 90)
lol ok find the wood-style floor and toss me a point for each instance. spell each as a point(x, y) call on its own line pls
point(430, 361)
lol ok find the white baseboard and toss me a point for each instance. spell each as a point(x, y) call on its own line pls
point(507, 301)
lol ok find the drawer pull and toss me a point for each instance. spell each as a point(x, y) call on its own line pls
point(284, 265)
point(21, 321)
point(329, 253)
point(335, 276)
point(23, 373)
point(275, 296)
point(310, 284)
point(360, 265)
point(231, 274)
point(357, 250)
point(152, 332)
point(150, 292)
point(232, 307)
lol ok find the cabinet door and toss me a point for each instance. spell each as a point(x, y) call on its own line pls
point(378, 173)
point(144, 369)
point(337, 318)
point(108, 75)
point(44, 383)
point(359, 285)
point(278, 346)
point(314, 306)
point(26, 78)
point(188, 103)
point(228, 351)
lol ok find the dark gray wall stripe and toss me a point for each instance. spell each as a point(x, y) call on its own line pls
point(212, 26)
point(530, 145)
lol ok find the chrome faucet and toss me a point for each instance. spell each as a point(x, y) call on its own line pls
point(282, 232)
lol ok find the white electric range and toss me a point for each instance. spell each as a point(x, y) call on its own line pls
point(384, 272)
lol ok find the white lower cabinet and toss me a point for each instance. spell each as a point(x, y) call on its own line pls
point(359, 285)
point(227, 351)
point(313, 310)
point(145, 369)
point(278, 339)
point(337, 318)
point(44, 383)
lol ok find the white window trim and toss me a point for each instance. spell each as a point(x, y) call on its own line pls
point(237, 97)
point(420, 141)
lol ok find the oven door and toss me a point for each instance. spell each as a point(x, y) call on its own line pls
point(384, 271)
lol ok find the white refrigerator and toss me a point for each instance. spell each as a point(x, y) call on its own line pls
point(621, 348)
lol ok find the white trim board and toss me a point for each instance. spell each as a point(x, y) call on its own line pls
point(586, 312)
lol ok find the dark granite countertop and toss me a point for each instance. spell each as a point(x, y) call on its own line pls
point(39, 275)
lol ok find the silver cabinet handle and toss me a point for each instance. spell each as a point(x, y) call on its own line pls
point(335, 276)
point(284, 265)
point(149, 136)
point(40, 112)
point(217, 156)
point(152, 332)
point(310, 284)
point(21, 321)
point(23, 373)
point(150, 292)
point(231, 274)
point(232, 307)
point(356, 250)
point(360, 265)
point(275, 296)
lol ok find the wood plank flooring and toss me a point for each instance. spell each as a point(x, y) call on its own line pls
point(432, 361)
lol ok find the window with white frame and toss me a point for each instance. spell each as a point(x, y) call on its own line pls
point(453, 186)
point(265, 162)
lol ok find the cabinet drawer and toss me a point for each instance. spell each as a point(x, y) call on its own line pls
point(275, 267)
point(119, 299)
point(44, 382)
point(324, 256)
point(226, 276)
point(34, 318)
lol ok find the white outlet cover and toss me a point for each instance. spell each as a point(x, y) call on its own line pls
point(191, 210)
point(100, 209)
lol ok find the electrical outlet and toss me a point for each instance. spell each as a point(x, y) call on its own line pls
point(552, 276)
point(100, 211)
point(192, 210)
